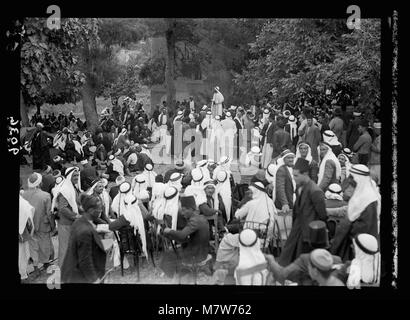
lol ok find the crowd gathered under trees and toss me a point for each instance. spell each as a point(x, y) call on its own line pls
point(329, 142)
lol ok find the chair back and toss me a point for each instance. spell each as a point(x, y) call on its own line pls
point(129, 242)
point(261, 229)
point(258, 275)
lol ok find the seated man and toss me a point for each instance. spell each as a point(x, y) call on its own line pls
point(194, 238)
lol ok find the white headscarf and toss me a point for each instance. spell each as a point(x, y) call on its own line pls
point(117, 204)
point(224, 166)
point(365, 193)
point(348, 164)
point(132, 213)
point(171, 206)
point(55, 191)
point(118, 166)
point(364, 267)
point(137, 187)
point(280, 162)
point(157, 199)
point(309, 154)
point(264, 207)
point(78, 147)
point(60, 140)
point(177, 183)
point(293, 128)
point(205, 172)
point(223, 188)
point(26, 212)
point(328, 156)
point(149, 176)
point(68, 191)
point(250, 256)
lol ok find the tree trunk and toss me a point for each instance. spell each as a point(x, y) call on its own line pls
point(170, 66)
point(38, 109)
point(23, 112)
point(89, 106)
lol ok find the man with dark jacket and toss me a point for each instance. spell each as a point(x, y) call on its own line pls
point(194, 236)
point(309, 206)
point(88, 174)
point(85, 258)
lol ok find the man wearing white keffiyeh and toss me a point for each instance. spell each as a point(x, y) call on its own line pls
point(304, 151)
point(363, 212)
point(97, 189)
point(196, 188)
point(138, 184)
point(126, 206)
point(68, 209)
point(329, 167)
point(285, 186)
point(149, 175)
point(365, 267)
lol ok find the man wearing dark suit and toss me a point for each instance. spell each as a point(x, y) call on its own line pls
point(309, 206)
point(88, 175)
point(267, 134)
point(85, 258)
point(284, 183)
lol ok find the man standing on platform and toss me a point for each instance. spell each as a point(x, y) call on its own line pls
point(217, 100)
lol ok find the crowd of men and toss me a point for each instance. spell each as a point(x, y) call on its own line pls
point(306, 209)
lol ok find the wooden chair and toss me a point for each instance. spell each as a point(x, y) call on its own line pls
point(261, 230)
point(129, 244)
point(258, 270)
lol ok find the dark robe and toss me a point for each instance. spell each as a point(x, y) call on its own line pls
point(40, 150)
point(346, 231)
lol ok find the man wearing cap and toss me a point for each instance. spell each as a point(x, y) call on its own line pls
point(285, 186)
point(320, 269)
point(309, 206)
point(363, 213)
point(194, 237)
point(364, 143)
point(329, 167)
point(374, 161)
point(298, 271)
point(217, 101)
point(41, 247)
point(40, 148)
point(352, 132)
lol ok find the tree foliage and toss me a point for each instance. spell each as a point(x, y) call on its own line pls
point(49, 66)
point(296, 55)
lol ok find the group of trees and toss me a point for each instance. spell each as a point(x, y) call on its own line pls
point(77, 62)
point(312, 56)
